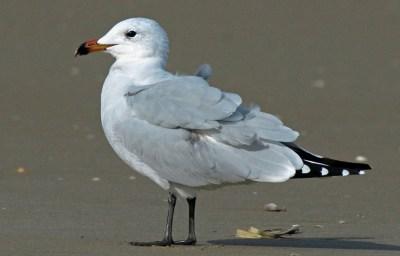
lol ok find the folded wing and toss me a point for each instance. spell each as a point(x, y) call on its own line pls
point(189, 102)
point(184, 102)
point(220, 140)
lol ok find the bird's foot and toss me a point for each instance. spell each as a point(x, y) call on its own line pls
point(163, 242)
point(189, 241)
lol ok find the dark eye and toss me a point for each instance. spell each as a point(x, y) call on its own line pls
point(130, 33)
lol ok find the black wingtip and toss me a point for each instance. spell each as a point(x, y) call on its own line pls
point(316, 166)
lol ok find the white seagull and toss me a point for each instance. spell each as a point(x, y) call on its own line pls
point(186, 135)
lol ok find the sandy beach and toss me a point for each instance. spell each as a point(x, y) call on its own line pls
point(329, 69)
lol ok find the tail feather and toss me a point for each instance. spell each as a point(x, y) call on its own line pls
point(317, 166)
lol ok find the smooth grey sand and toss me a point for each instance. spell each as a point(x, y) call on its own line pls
point(329, 69)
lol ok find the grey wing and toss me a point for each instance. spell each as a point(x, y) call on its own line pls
point(195, 160)
point(184, 102)
point(199, 135)
point(249, 125)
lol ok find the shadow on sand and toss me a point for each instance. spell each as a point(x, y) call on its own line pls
point(346, 243)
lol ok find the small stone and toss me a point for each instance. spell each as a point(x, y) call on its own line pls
point(319, 226)
point(21, 170)
point(361, 216)
point(342, 222)
point(95, 179)
point(272, 207)
point(60, 178)
point(361, 158)
point(132, 177)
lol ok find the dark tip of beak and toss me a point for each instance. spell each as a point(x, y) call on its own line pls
point(82, 50)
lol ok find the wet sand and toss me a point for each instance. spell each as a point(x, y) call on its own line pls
point(328, 69)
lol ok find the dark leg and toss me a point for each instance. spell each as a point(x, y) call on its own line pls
point(167, 240)
point(191, 239)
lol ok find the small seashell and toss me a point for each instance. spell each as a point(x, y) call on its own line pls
point(256, 233)
point(21, 170)
point(272, 207)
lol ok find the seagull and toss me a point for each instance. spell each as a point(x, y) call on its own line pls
point(185, 134)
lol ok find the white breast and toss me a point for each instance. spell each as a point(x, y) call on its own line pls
point(114, 113)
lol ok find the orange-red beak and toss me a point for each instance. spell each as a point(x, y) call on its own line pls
point(91, 46)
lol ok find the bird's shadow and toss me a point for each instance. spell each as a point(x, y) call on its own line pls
point(346, 243)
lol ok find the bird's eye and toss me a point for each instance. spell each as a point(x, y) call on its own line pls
point(130, 33)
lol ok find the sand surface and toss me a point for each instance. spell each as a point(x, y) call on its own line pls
point(330, 69)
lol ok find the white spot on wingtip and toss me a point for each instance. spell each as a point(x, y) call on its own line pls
point(324, 171)
point(345, 172)
point(361, 172)
point(305, 169)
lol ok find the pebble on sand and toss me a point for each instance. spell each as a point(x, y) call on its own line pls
point(132, 177)
point(21, 170)
point(95, 179)
point(272, 207)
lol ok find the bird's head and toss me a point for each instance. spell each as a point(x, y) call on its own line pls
point(131, 38)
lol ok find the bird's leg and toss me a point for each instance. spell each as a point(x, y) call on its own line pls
point(167, 240)
point(191, 239)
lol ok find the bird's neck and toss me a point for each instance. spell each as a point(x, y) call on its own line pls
point(142, 71)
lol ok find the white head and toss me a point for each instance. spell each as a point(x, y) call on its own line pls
point(132, 38)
